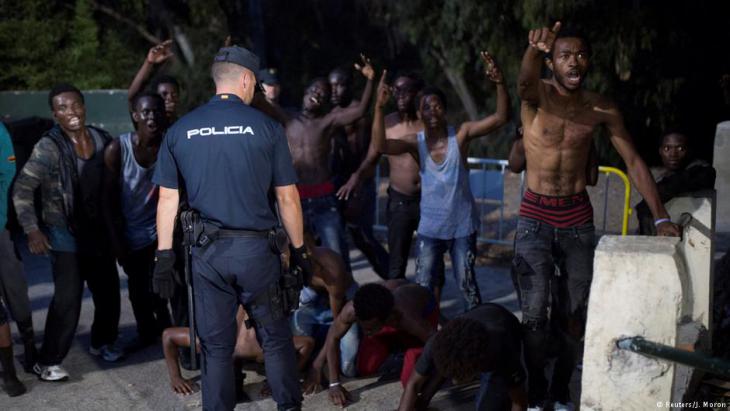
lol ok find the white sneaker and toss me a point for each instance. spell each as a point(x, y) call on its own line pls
point(559, 406)
point(50, 373)
point(108, 352)
point(534, 409)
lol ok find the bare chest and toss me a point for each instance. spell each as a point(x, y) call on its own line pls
point(561, 128)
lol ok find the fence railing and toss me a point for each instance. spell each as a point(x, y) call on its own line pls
point(487, 181)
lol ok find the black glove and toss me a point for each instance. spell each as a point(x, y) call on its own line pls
point(163, 282)
point(301, 259)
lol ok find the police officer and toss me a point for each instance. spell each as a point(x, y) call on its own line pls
point(233, 162)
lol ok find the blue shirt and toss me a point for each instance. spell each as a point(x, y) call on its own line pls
point(7, 172)
point(229, 157)
point(448, 210)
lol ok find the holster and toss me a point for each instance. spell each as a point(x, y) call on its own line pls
point(291, 281)
point(278, 240)
point(196, 231)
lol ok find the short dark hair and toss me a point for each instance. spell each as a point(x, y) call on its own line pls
point(346, 73)
point(315, 80)
point(677, 132)
point(418, 83)
point(146, 94)
point(163, 79)
point(572, 32)
point(63, 88)
point(461, 349)
point(432, 91)
point(373, 301)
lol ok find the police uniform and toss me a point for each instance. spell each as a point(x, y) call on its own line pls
point(229, 157)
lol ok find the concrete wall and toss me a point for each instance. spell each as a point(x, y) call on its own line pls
point(697, 249)
point(721, 162)
point(636, 290)
point(652, 287)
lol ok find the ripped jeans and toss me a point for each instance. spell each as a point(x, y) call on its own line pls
point(541, 250)
point(430, 271)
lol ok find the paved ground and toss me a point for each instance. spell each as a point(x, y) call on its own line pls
point(140, 382)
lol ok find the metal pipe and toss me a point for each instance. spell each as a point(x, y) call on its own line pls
point(697, 360)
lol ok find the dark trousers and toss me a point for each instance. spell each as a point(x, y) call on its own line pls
point(150, 311)
point(229, 272)
point(360, 228)
point(70, 270)
point(403, 216)
point(13, 286)
point(539, 249)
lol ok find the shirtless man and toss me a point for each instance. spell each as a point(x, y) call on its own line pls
point(320, 303)
point(247, 348)
point(309, 134)
point(404, 192)
point(559, 118)
point(351, 144)
point(517, 162)
point(449, 216)
point(394, 316)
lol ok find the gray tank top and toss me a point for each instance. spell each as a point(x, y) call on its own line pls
point(139, 198)
point(447, 205)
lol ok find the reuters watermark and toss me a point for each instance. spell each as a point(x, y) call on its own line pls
point(692, 404)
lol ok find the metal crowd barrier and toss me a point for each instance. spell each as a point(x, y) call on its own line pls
point(487, 180)
point(627, 197)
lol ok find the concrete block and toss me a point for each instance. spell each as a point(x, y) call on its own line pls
point(636, 290)
point(722, 183)
point(697, 249)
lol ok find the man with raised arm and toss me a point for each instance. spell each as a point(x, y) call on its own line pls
point(166, 86)
point(556, 218)
point(404, 192)
point(309, 135)
point(130, 209)
point(449, 217)
point(350, 144)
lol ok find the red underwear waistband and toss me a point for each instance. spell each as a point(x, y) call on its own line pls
point(315, 190)
point(558, 211)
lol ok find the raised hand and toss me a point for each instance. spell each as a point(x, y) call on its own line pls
point(544, 38)
point(491, 68)
point(366, 68)
point(383, 91)
point(160, 53)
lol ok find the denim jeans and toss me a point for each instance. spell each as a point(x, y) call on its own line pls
point(322, 218)
point(313, 318)
point(540, 249)
point(403, 215)
point(430, 270)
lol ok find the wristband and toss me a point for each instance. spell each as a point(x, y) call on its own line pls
point(335, 384)
point(662, 220)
